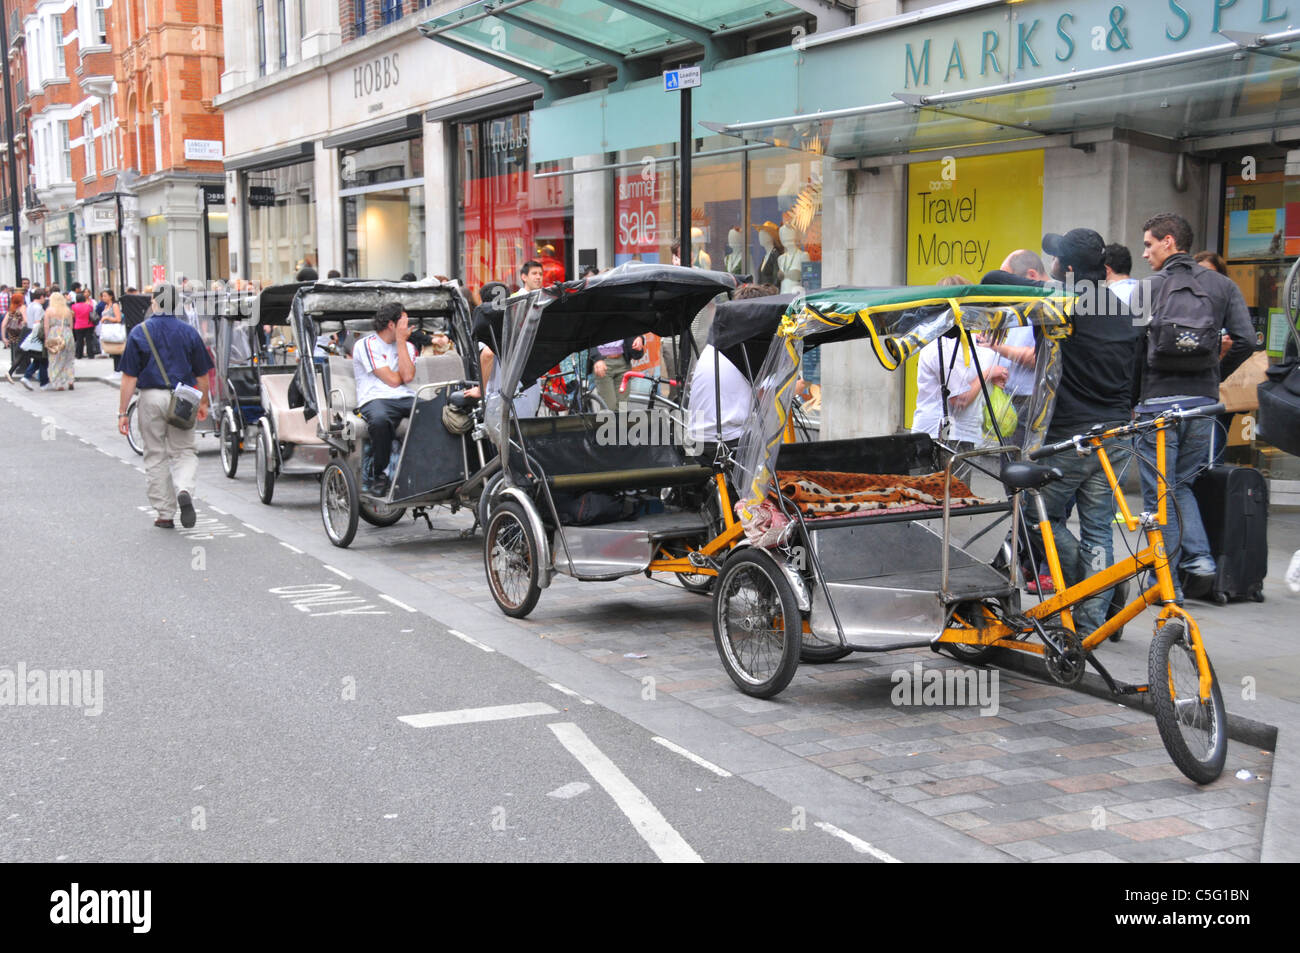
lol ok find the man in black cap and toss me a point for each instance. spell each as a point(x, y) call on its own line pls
point(1096, 388)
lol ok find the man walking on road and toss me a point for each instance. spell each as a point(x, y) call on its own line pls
point(170, 461)
point(1189, 307)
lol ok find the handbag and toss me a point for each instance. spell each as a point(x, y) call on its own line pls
point(55, 340)
point(32, 343)
point(114, 333)
point(183, 405)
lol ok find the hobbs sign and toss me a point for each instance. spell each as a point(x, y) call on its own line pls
point(375, 76)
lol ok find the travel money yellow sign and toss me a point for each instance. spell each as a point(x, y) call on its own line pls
point(964, 216)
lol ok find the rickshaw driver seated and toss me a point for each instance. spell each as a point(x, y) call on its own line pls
point(383, 364)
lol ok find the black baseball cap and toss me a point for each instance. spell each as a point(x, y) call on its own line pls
point(164, 295)
point(1078, 248)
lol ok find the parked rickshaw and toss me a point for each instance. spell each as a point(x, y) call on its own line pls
point(599, 496)
point(840, 541)
point(437, 465)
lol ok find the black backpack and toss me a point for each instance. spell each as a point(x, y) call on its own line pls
point(1183, 336)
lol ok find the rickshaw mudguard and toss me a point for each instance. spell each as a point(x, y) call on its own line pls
point(546, 566)
point(802, 594)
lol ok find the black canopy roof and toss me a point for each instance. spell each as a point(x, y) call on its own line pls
point(340, 300)
point(624, 302)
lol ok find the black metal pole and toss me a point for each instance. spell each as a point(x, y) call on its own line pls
point(13, 155)
point(121, 248)
point(684, 150)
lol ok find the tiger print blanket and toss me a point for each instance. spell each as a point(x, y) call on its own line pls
point(829, 492)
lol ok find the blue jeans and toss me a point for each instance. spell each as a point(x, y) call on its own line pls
point(1086, 487)
point(40, 369)
point(1187, 451)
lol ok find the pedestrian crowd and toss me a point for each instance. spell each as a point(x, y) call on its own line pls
point(1135, 350)
point(47, 330)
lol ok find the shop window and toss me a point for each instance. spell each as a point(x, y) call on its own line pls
point(1260, 242)
point(281, 220)
point(785, 204)
point(506, 215)
point(383, 210)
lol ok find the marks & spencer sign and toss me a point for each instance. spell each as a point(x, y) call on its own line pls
point(1039, 38)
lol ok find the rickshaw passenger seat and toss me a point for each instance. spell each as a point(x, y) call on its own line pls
point(1017, 475)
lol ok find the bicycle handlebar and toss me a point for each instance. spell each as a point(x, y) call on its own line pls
point(1155, 423)
point(622, 387)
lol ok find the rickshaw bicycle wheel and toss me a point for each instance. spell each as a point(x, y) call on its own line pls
point(818, 651)
point(756, 624)
point(229, 437)
point(264, 463)
point(381, 514)
point(133, 436)
point(510, 558)
point(339, 504)
point(1195, 733)
point(963, 651)
point(698, 583)
point(483, 505)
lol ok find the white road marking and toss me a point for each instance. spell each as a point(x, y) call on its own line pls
point(400, 605)
point(252, 527)
point(474, 642)
point(857, 843)
point(292, 549)
point(337, 572)
point(468, 716)
point(572, 789)
point(302, 608)
point(663, 839)
point(692, 756)
point(569, 691)
point(217, 509)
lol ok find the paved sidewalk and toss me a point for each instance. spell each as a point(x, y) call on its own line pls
point(1053, 775)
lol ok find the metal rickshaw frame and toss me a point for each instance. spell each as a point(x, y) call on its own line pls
point(526, 543)
point(977, 616)
point(279, 453)
point(423, 479)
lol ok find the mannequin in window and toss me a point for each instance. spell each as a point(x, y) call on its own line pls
point(699, 257)
point(791, 262)
point(769, 239)
point(735, 260)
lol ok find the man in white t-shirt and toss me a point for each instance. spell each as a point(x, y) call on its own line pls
point(383, 364)
point(965, 401)
point(731, 386)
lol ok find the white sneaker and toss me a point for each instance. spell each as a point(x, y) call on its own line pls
point(47, 387)
point(1293, 572)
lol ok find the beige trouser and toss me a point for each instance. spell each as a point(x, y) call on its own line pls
point(170, 462)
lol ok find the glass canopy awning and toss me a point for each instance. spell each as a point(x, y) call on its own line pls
point(551, 41)
point(1245, 84)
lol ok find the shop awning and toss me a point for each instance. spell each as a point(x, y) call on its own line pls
point(555, 43)
point(1244, 84)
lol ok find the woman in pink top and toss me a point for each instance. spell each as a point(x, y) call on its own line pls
point(83, 325)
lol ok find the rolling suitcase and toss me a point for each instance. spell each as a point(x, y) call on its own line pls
point(1234, 508)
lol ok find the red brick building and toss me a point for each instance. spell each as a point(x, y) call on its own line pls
point(118, 139)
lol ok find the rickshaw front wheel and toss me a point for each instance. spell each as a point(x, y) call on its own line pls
point(511, 558)
point(1195, 732)
point(381, 514)
point(133, 436)
point(339, 504)
point(757, 625)
point(264, 462)
point(229, 437)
